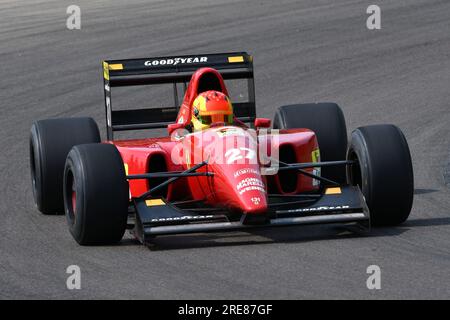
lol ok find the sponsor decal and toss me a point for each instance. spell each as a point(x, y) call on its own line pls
point(256, 200)
point(108, 111)
point(251, 189)
point(249, 184)
point(241, 172)
point(322, 208)
point(175, 61)
point(182, 218)
point(315, 157)
point(315, 182)
point(224, 132)
point(181, 120)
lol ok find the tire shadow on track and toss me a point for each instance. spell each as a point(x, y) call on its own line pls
point(408, 225)
point(424, 191)
point(428, 222)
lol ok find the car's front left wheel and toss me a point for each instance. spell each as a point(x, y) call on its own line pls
point(96, 194)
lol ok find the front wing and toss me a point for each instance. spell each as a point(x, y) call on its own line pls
point(343, 204)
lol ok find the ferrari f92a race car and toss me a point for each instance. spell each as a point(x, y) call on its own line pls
point(220, 167)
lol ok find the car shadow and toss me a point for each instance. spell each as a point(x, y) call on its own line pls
point(249, 237)
point(428, 222)
point(424, 191)
point(291, 234)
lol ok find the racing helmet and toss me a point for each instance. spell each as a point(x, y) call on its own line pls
point(211, 107)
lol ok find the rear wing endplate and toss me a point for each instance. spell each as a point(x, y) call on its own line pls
point(175, 70)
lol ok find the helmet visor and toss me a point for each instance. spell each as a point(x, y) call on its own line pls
point(208, 119)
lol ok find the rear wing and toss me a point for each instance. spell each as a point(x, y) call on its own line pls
point(175, 70)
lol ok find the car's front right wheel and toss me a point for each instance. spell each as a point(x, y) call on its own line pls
point(50, 142)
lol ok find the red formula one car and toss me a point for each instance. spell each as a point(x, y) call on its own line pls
point(219, 168)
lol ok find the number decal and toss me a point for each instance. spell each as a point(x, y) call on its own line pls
point(236, 154)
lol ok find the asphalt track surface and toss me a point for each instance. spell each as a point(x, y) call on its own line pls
point(304, 51)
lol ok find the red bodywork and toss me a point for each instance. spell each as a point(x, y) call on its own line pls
point(236, 185)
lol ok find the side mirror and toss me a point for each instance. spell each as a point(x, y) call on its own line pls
point(174, 126)
point(262, 123)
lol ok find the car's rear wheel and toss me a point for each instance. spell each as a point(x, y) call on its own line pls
point(95, 194)
point(383, 170)
point(50, 142)
point(328, 123)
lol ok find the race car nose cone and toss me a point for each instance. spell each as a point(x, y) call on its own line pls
point(241, 187)
point(237, 183)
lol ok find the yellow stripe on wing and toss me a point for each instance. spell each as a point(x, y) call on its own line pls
point(116, 66)
point(235, 59)
point(336, 190)
point(154, 202)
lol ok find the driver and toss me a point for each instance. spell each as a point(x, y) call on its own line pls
point(211, 107)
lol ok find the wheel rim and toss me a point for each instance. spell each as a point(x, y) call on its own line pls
point(70, 196)
point(33, 171)
point(74, 199)
point(355, 176)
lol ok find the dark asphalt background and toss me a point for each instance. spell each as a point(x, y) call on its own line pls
point(304, 51)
